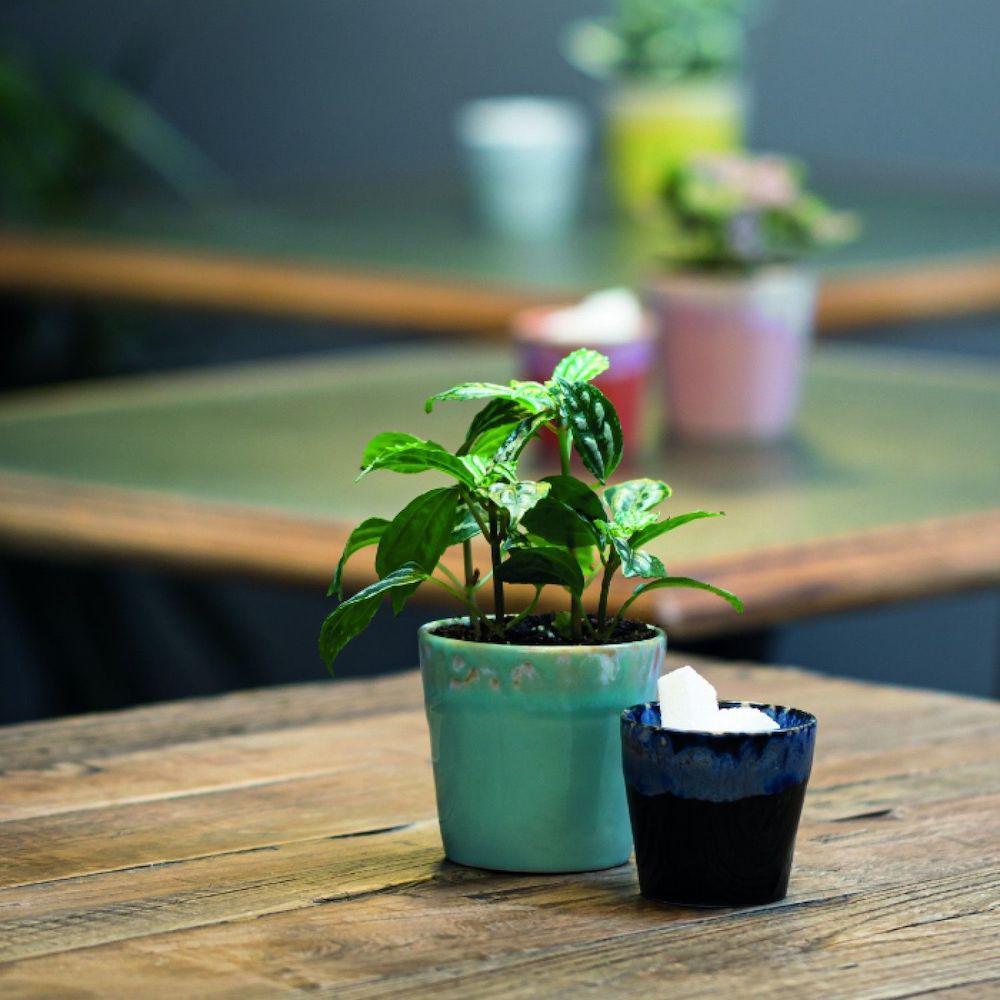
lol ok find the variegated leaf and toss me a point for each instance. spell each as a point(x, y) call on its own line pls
point(635, 562)
point(593, 422)
point(581, 366)
point(489, 390)
point(517, 498)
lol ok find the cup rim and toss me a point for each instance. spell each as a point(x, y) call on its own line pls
point(808, 722)
point(526, 329)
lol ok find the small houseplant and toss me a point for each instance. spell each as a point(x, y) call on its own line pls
point(675, 68)
point(736, 305)
point(523, 707)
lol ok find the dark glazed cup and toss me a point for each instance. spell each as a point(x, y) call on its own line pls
point(714, 815)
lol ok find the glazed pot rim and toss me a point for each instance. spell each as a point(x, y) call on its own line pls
point(427, 629)
point(808, 722)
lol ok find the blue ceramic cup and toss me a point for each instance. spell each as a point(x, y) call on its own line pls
point(714, 815)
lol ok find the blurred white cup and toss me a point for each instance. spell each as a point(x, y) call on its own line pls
point(525, 158)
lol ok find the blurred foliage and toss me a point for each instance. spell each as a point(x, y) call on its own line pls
point(70, 135)
point(735, 212)
point(662, 39)
point(73, 139)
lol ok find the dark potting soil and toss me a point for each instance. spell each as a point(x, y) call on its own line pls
point(538, 630)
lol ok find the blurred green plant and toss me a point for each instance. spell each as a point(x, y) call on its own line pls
point(664, 40)
point(737, 212)
point(72, 139)
point(69, 134)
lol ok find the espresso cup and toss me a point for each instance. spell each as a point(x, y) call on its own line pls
point(714, 815)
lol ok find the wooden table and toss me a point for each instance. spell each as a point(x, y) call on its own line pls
point(283, 841)
point(405, 255)
point(888, 491)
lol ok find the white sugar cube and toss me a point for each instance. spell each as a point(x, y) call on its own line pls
point(744, 719)
point(687, 700)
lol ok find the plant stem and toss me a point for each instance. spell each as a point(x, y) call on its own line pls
point(457, 594)
point(470, 588)
point(451, 576)
point(475, 514)
point(602, 607)
point(527, 611)
point(565, 448)
point(499, 614)
point(576, 617)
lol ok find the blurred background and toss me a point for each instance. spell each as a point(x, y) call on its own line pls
point(238, 238)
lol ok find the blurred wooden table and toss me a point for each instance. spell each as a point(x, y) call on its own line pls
point(285, 841)
point(888, 490)
point(406, 255)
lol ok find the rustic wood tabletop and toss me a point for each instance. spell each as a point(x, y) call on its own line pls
point(281, 841)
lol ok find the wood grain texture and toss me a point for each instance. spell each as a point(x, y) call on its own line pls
point(54, 516)
point(269, 843)
point(99, 268)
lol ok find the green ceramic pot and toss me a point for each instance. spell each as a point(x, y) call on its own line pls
point(526, 749)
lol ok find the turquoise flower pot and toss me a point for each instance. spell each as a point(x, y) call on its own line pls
point(526, 749)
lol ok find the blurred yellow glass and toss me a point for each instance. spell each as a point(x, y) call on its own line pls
point(651, 127)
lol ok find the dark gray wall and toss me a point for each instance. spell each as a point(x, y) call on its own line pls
point(310, 90)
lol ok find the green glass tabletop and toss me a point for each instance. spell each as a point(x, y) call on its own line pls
point(883, 438)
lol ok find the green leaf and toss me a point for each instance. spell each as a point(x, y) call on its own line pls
point(593, 422)
point(569, 516)
point(517, 498)
point(490, 442)
point(558, 523)
point(465, 526)
point(491, 425)
point(389, 441)
point(366, 533)
point(352, 616)
point(581, 366)
point(517, 439)
point(537, 394)
point(478, 466)
point(525, 393)
point(576, 495)
point(418, 536)
point(421, 456)
point(636, 494)
point(563, 624)
point(630, 505)
point(585, 556)
point(635, 562)
point(682, 581)
point(647, 534)
point(543, 565)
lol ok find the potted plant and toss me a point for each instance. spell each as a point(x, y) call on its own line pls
point(523, 707)
point(736, 305)
point(675, 67)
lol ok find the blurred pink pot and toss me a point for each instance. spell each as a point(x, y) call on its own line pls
point(734, 350)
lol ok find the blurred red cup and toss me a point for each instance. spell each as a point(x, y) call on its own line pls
point(625, 382)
